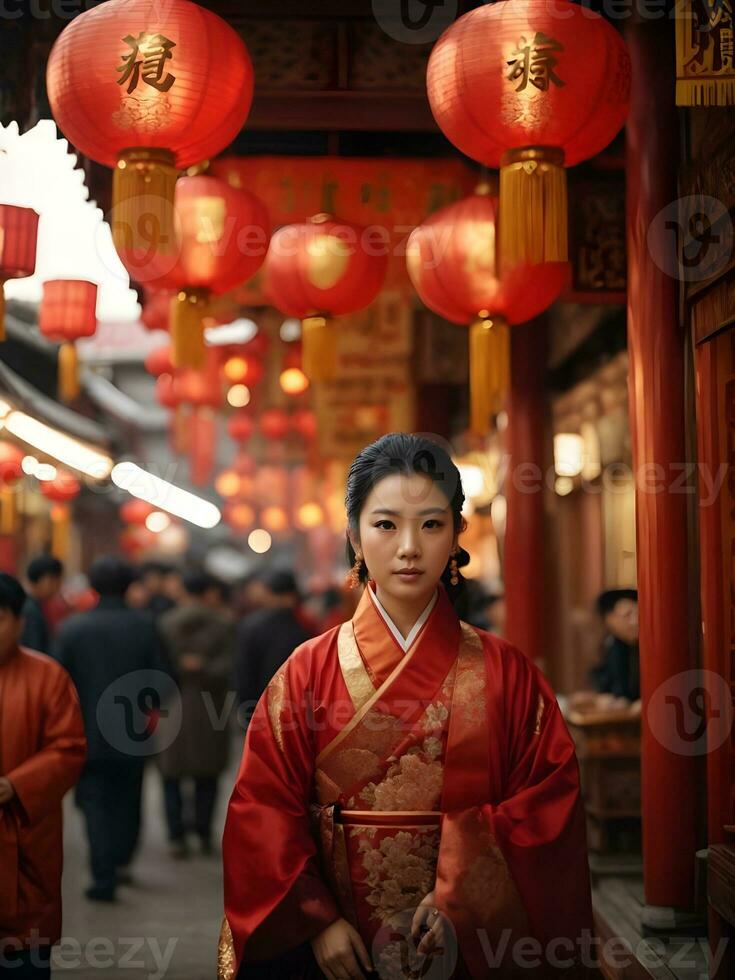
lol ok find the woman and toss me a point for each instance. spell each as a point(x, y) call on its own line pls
point(408, 800)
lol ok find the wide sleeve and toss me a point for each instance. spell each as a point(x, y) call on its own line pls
point(516, 866)
point(540, 824)
point(44, 777)
point(275, 898)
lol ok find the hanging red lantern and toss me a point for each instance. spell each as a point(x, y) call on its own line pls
point(149, 89)
point(61, 491)
point(222, 237)
point(532, 88)
point(11, 471)
point(303, 423)
point(452, 262)
point(322, 268)
point(275, 424)
point(202, 389)
point(136, 512)
point(158, 362)
point(240, 426)
point(18, 236)
point(68, 312)
point(156, 309)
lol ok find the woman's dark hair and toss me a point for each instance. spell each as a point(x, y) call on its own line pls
point(405, 453)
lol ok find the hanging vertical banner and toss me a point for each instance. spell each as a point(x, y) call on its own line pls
point(373, 390)
point(705, 72)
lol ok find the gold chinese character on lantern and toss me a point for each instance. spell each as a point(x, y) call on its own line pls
point(147, 61)
point(535, 62)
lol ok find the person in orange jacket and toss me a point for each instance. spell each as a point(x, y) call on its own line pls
point(42, 751)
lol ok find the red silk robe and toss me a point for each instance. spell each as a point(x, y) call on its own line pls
point(371, 776)
point(42, 750)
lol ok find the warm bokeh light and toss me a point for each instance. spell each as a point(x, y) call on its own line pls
point(62, 447)
point(238, 396)
point(157, 521)
point(164, 495)
point(568, 453)
point(227, 483)
point(294, 381)
point(310, 515)
point(563, 485)
point(260, 541)
point(235, 369)
point(275, 519)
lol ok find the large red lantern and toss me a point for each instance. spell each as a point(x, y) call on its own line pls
point(222, 237)
point(18, 236)
point(322, 268)
point(148, 88)
point(452, 262)
point(68, 312)
point(530, 87)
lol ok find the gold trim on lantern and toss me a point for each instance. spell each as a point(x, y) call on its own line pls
point(68, 372)
point(489, 369)
point(188, 309)
point(319, 357)
point(143, 186)
point(60, 530)
point(533, 206)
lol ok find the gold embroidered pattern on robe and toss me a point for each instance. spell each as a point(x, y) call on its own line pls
point(400, 870)
point(276, 697)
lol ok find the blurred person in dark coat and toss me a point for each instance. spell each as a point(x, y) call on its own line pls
point(152, 582)
point(45, 575)
point(198, 636)
point(618, 671)
point(267, 637)
point(41, 756)
point(113, 656)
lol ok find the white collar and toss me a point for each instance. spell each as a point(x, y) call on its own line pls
point(404, 642)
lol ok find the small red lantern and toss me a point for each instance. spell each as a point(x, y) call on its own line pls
point(530, 87)
point(320, 269)
point(18, 236)
point(62, 490)
point(68, 312)
point(148, 88)
point(222, 238)
point(135, 512)
point(159, 362)
point(156, 309)
point(303, 422)
point(11, 470)
point(243, 369)
point(452, 262)
point(202, 446)
point(275, 424)
point(240, 426)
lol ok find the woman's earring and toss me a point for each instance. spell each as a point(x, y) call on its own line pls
point(454, 570)
point(353, 579)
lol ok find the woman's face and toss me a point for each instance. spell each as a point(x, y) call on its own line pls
point(406, 523)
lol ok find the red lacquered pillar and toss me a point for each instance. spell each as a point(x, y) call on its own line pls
point(525, 482)
point(657, 414)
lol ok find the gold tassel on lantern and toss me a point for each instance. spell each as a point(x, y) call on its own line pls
point(8, 509)
point(319, 337)
point(188, 309)
point(60, 529)
point(489, 369)
point(68, 366)
point(143, 186)
point(533, 207)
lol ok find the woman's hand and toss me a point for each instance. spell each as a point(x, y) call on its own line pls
point(428, 915)
point(338, 949)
